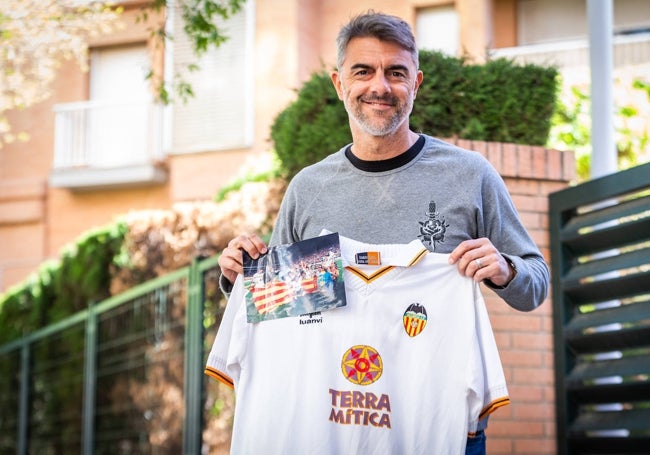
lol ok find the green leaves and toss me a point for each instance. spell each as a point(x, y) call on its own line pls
point(571, 124)
point(498, 101)
point(202, 23)
point(312, 127)
point(63, 287)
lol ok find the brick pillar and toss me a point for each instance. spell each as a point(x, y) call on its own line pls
point(23, 225)
point(525, 340)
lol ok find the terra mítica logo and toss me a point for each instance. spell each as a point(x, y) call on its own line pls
point(362, 365)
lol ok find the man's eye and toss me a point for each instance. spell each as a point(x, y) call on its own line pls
point(398, 74)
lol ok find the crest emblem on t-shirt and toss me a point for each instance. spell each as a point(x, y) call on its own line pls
point(362, 365)
point(432, 230)
point(415, 319)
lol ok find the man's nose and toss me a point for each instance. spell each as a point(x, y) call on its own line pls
point(379, 83)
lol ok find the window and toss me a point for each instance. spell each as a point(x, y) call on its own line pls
point(219, 116)
point(120, 95)
point(550, 20)
point(544, 21)
point(437, 28)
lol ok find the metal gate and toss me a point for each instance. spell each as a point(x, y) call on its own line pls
point(600, 251)
point(124, 376)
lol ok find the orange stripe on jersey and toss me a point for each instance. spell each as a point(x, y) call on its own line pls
point(493, 406)
point(374, 276)
point(219, 376)
point(382, 271)
point(419, 256)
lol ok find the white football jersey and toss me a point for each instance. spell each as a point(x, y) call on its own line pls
point(408, 366)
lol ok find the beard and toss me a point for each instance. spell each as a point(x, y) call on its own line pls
point(378, 124)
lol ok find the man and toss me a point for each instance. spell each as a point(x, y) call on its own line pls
point(393, 185)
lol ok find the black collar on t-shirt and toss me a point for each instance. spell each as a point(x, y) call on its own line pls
point(386, 165)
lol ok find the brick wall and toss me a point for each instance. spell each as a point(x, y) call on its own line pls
point(525, 340)
point(22, 225)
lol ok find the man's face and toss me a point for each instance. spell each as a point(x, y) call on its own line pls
point(377, 82)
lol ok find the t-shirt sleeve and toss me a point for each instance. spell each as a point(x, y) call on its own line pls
point(488, 389)
point(222, 363)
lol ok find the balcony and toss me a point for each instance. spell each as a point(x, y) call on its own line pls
point(629, 50)
point(103, 144)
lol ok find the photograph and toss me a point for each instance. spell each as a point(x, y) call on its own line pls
point(295, 279)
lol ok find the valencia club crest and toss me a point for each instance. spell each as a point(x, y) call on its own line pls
point(415, 319)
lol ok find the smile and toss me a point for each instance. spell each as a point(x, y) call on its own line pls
point(379, 103)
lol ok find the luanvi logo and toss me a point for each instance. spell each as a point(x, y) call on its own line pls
point(311, 318)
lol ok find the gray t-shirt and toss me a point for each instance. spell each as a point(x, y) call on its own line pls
point(435, 191)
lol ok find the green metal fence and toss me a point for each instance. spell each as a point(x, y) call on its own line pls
point(600, 237)
point(124, 376)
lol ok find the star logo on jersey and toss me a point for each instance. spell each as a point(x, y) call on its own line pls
point(415, 319)
point(362, 365)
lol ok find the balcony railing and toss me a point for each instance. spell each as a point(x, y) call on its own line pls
point(107, 144)
point(629, 50)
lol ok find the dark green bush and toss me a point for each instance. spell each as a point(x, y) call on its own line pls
point(61, 288)
point(311, 127)
point(497, 101)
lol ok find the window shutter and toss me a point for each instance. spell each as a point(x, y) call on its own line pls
point(219, 115)
point(437, 28)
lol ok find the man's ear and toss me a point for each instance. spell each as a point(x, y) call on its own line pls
point(418, 81)
point(336, 80)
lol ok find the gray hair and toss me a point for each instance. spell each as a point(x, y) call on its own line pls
point(377, 25)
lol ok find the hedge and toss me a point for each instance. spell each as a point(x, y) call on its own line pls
point(496, 101)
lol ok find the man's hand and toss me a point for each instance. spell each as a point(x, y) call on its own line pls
point(480, 260)
point(231, 259)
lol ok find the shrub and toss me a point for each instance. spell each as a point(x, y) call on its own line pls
point(497, 101)
point(311, 127)
point(62, 287)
